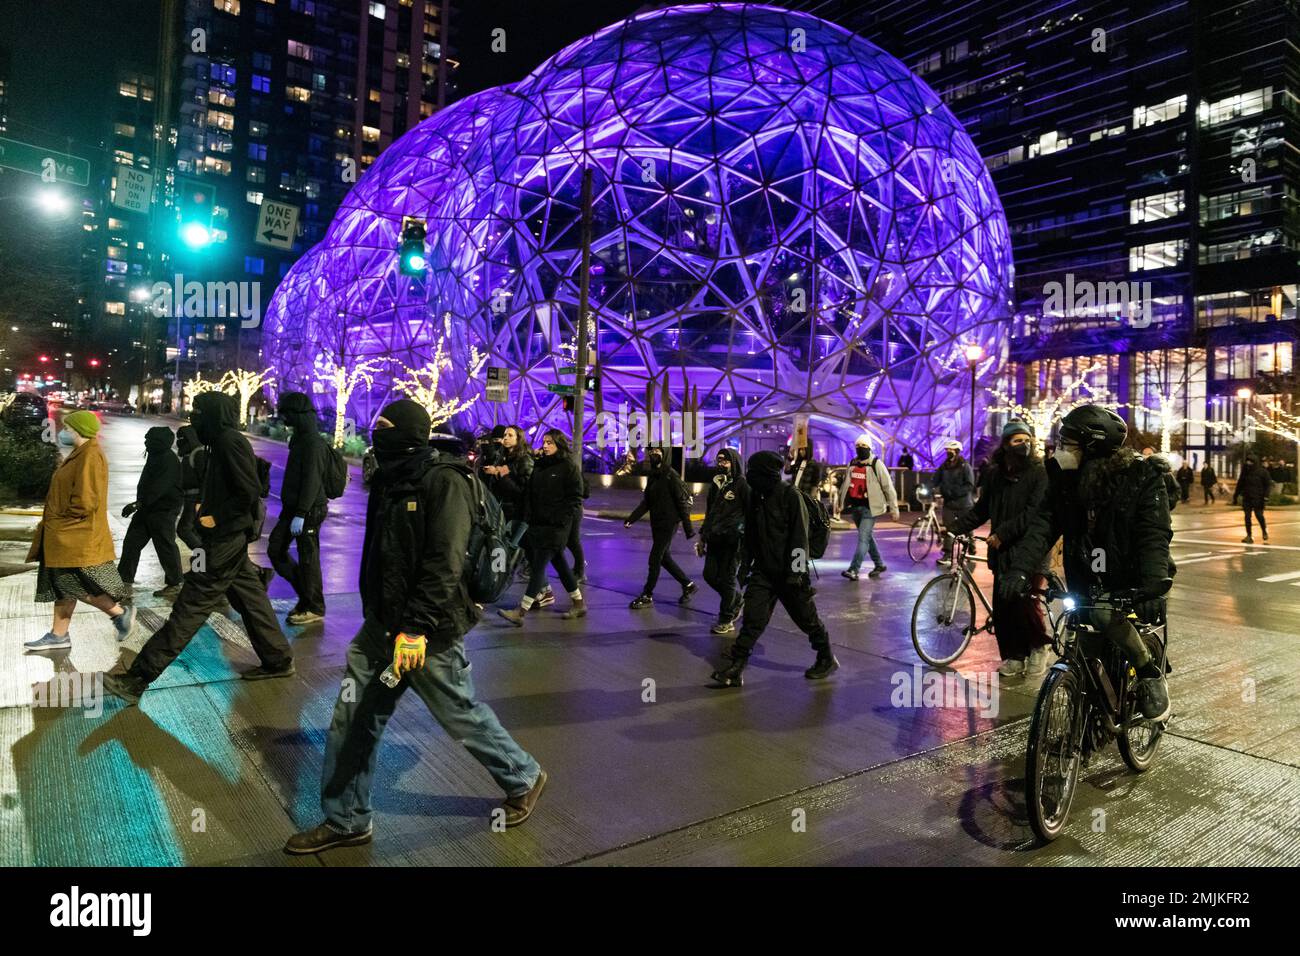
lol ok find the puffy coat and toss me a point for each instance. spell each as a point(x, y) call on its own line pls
point(724, 514)
point(1253, 485)
point(1008, 502)
point(73, 531)
point(665, 499)
point(553, 501)
point(512, 489)
point(418, 521)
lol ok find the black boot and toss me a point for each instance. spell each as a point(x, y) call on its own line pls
point(823, 666)
point(730, 674)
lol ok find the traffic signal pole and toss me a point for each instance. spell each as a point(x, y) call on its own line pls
point(584, 290)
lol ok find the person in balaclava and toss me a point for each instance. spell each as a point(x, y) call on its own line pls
point(416, 611)
point(155, 512)
point(724, 523)
point(774, 567)
point(1111, 508)
point(1254, 485)
point(1011, 491)
point(665, 500)
point(193, 460)
point(228, 514)
point(303, 508)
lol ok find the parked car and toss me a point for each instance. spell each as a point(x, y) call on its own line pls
point(27, 410)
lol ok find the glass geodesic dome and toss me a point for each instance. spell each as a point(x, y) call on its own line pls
point(786, 221)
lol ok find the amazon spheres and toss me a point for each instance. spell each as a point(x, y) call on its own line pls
point(786, 223)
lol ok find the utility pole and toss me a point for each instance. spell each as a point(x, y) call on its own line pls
point(584, 290)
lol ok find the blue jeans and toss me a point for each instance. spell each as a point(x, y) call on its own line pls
point(365, 703)
point(866, 523)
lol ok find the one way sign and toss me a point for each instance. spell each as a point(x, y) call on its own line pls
point(277, 225)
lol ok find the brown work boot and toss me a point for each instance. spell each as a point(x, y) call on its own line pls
point(576, 610)
point(520, 808)
point(515, 615)
point(325, 837)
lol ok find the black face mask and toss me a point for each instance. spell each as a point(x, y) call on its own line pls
point(1020, 451)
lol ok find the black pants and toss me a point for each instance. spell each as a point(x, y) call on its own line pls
point(761, 595)
point(1256, 506)
point(575, 547)
point(660, 558)
point(1186, 489)
point(304, 574)
point(1209, 493)
point(1018, 624)
point(226, 571)
point(538, 558)
point(187, 528)
point(721, 562)
point(160, 528)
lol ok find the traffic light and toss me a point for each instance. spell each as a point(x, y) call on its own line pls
point(411, 254)
point(568, 403)
point(195, 201)
point(593, 383)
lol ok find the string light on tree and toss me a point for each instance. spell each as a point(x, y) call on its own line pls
point(1043, 416)
point(197, 386)
point(421, 384)
point(342, 381)
point(245, 384)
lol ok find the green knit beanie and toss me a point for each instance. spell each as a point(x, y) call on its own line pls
point(85, 424)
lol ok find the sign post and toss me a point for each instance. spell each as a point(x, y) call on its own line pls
point(498, 384)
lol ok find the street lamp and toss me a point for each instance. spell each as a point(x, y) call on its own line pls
point(974, 353)
point(53, 203)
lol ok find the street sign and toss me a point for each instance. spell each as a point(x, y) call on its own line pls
point(277, 224)
point(133, 189)
point(498, 384)
point(51, 166)
point(568, 370)
point(560, 389)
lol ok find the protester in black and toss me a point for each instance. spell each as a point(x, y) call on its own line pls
point(1208, 482)
point(1253, 488)
point(1011, 492)
point(1185, 478)
point(303, 508)
point(417, 610)
point(774, 567)
point(154, 513)
point(228, 510)
point(806, 473)
point(193, 456)
point(554, 498)
point(665, 500)
point(720, 534)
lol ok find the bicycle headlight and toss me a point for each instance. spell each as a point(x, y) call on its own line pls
point(1068, 603)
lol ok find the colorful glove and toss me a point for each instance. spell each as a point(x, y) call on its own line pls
point(295, 526)
point(408, 653)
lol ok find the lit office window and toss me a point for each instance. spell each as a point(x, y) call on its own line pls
point(1157, 255)
point(226, 6)
point(377, 10)
point(1152, 208)
point(1242, 104)
point(299, 49)
point(299, 93)
point(1160, 112)
point(1242, 202)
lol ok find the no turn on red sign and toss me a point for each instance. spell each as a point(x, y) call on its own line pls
point(277, 224)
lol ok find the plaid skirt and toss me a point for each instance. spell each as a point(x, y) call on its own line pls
point(59, 584)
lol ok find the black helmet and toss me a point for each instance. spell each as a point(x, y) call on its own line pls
point(1098, 431)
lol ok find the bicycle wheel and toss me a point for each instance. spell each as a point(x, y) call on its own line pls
point(1139, 737)
point(920, 539)
point(1052, 759)
point(943, 619)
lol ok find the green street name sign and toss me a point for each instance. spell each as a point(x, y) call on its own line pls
point(50, 165)
point(560, 389)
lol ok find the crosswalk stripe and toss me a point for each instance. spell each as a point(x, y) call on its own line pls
point(1221, 557)
point(1274, 578)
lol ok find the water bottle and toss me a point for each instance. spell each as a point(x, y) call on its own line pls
point(389, 678)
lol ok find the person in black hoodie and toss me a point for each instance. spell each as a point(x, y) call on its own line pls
point(1011, 491)
point(1253, 488)
point(774, 567)
point(665, 499)
point(303, 508)
point(417, 610)
point(1208, 480)
point(193, 458)
point(724, 523)
point(550, 508)
point(154, 513)
point(228, 510)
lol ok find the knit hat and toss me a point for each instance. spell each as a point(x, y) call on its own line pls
point(498, 432)
point(410, 420)
point(1015, 428)
point(85, 424)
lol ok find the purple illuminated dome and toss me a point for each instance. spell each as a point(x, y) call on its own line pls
point(785, 219)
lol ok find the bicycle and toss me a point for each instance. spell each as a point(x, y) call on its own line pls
point(1088, 698)
point(925, 531)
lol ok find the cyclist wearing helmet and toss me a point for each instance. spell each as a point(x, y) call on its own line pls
point(1112, 508)
point(955, 481)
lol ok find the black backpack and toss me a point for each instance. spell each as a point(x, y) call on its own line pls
point(819, 525)
point(337, 474)
point(263, 475)
point(493, 553)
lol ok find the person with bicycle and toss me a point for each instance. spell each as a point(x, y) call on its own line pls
point(1012, 489)
point(1111, 507)
point(955, 483)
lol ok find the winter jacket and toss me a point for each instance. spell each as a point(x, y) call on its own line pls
point(665, 499)
point(73, 531)
point(807, 476)
point(724, 513)
point(1161, 463)
point(880, 497)
point(553, 501)
point(302, 493)
point(231, 492)
point(1125, 539)
point(955, 481)
point(159, 487)
point(511, 489)
point(776, 536)
point(1008, 503)
point(418, 522)
point(1185, 476)
point(1253, 486)
point(1208, 478)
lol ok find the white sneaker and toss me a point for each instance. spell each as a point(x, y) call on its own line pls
point(1040, 659)
point(1012, 667)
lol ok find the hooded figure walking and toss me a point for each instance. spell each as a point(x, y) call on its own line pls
point(154, 513)
point(720, 534)
point(665, 500)
point(303, 509)
point(774, 567)
point(228, 517)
